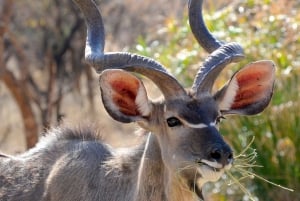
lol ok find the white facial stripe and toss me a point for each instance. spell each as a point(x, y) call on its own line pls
point(212, 124)
point(201, 125)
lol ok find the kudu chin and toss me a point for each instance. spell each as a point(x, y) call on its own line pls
point(182, 149)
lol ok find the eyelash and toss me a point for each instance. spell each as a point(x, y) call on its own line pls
point(219, 119)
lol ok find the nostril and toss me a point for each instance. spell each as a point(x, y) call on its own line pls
point(216, 154)
point(230, 156)
point(222, 155)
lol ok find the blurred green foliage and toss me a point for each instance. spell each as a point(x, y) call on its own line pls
point(267, 30)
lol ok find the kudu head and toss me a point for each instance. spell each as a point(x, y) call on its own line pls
point(185, 123)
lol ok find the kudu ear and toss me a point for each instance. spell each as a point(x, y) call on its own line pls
point(249, 91)
point(124, 96)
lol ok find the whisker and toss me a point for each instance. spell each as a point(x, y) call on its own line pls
point(195, 176)
point(187, 167)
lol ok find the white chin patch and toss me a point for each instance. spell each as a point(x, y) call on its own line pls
point(208, 174)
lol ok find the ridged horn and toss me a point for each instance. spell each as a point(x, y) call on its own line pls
point(221, 54)
point(95, 56)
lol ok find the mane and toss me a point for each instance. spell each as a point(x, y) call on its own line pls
point(57, 137)
point(86, 133)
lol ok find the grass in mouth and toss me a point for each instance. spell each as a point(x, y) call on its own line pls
point(243, 166)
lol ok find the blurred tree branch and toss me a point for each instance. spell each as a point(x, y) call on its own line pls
point(61, 65)
point(16, 87)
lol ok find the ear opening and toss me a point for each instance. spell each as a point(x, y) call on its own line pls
point(124, 96)
point(249, 91)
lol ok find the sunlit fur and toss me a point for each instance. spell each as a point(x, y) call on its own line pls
point(229, 95)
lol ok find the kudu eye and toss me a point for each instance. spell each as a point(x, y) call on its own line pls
point(173, 121)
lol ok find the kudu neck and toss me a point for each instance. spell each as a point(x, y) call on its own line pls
point(154, 175)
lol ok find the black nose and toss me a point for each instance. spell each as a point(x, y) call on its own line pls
point(222, 155)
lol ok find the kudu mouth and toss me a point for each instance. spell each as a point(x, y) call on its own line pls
point(205, 172)
point(214, 167)
point(211, 168)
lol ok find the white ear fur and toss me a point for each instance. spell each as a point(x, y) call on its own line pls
point(229, 95)
point(142, 102)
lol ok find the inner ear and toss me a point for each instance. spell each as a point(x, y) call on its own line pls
point(255, 83)
point(124, 95)
point(250, 89)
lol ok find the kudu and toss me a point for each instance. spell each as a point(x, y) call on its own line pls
point(182, 149)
